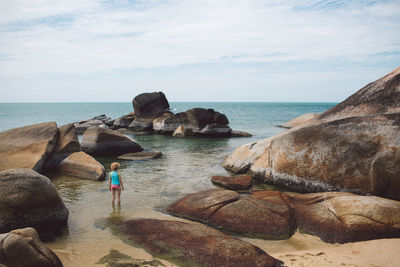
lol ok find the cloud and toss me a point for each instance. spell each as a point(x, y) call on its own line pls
point(89, 37)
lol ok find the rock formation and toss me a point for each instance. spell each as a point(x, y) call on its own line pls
point(237, 182)
point(28, 199)
point(23, 247)
point(100, 121)
point(98, 141)
point(27, 147)
point(141, 155)
point(301, 120)
point(82, 165)
point(194, 244)
point(332, 216)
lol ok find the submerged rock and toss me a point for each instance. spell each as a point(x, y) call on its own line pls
point(27, 147)
point(105, 142)
point(82, 165)
point(194, 244)
point(238, 182)
point(141, 155)
point(117, 259)
point(23, 247)
point(28, 199)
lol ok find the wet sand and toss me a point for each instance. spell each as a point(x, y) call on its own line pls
point(300, 250)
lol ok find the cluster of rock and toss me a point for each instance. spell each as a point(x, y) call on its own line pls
point(335, 217)
point(354, 146)
point(152, 114)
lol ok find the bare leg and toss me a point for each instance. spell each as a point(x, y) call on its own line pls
point(119, 196)
point(113, 196)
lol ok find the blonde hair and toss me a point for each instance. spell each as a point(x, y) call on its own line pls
point(114, 166)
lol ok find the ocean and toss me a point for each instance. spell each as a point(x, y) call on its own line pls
point(151, 185)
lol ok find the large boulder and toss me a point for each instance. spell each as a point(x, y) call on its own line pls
point(380, 96)
point(98, 141)
point(194, 244)
point(23, 248)
point(28, 199)
point(358, 154)
point(100, 121)
point(82, 165)
point(27, 147)
point(343, 217)
point(237, 182)
point(67, 143)
point(200, 121)
point(263, 215)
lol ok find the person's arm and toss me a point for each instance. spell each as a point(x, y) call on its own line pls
point(120, 181)
point(109, 181)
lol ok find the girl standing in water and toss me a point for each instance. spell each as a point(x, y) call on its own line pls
point(115, 183)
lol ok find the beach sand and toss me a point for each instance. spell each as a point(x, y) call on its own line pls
point(299, 250)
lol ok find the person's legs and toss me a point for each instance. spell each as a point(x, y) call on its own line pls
point(113, 195)
point(119, 196)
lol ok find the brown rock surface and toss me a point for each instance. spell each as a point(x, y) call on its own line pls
point(82, 165)
point(141, 155)
point(343, 217)
point(28, 199)
point(97, 141)
point(238, 182)
point(301, 120)
point(27, 147)
point(380, 96)
point(23, 247)
point(194, 244)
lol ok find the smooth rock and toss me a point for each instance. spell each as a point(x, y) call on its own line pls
point(264, 216)
point(194, 244)
point(99, 121)
point(181, 131)
point(150, 105)
point(23, 247)
point(378, 97)
point(141, 124)
point(117, 259)
point(124, 121)
point(105, 142)
point(240, 134)
point(201, 206)
point(141, 155)
point(301, 120)
point(342, 217)
point(238, 182)
point(27, 147)
point(28, 199)
point(67, 143)
point(359, 154)
point(82, 165)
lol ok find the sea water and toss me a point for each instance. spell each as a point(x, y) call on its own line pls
point(186, 167)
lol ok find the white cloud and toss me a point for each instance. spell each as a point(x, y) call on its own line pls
point(103, 36)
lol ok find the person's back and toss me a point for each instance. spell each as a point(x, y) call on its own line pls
point(115, 182)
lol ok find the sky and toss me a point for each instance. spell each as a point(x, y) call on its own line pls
point(195, 50)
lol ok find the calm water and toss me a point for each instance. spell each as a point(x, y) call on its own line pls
point(151, 185)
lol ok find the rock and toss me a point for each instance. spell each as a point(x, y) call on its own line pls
point(359, 154)
point(117, 259)
point(301, 120)
point(124, 121)
point(150, 105)
point(194, 244)
point(240, 134)
point(141, 125)
point(105, 142)
point(28, 199)
point(82, 165)
point(200, 121)
point(67, 143)
point(343, 217)
point(141, 155)
point(181, 131)
point(27, 147)
point(378, 97)
point(23, 247)
point(263, 215)
point(100, 121)
point(238, 182)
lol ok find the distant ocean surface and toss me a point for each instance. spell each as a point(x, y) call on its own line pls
point(150, 185)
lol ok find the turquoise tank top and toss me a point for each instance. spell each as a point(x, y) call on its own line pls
point(114, 178)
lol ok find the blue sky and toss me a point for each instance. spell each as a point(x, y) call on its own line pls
point(86, 50)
